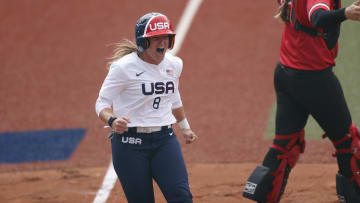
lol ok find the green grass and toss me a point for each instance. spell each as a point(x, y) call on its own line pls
point(348, 71)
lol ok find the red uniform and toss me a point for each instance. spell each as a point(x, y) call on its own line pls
point(300, 50)
point(305, 84)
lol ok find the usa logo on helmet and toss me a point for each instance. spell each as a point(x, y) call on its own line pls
point(158, 25)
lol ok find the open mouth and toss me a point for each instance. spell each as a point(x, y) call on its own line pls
point(160, 50)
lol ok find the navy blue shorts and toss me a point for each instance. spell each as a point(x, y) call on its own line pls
point(139, 158)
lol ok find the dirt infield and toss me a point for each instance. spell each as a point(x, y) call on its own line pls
point(210, 183)
point(53, 56)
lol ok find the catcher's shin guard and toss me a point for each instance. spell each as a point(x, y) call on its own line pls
point(348, 156)
point(256, 185)
point(346, 191)
point(272, 178)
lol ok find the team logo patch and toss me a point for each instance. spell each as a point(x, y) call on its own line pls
point(250, 187)
point(138, 74)
point(170, 72)
point(158, 24)
point(131, 140)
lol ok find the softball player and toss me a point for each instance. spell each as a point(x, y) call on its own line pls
point(140, 101)
point(305, 84)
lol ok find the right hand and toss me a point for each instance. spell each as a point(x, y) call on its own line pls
point(189, 136)
point(119, 125)
point(352, 12)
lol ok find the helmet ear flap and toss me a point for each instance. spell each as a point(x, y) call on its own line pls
point(143, 43)
point(171, 41)
point(147, 43)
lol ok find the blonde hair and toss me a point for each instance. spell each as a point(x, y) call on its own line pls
point(122, 48)
point(282, 11)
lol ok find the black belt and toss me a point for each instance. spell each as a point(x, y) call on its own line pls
point(306, 72)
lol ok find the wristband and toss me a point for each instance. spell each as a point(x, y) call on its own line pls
point(184, 124)
point(111, 120)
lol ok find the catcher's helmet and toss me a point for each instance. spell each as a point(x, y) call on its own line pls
point(153, 24)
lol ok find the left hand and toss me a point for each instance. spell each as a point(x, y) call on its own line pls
point(189, 136)
point(352, 12)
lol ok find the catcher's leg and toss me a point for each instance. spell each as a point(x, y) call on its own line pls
point(348, 157)
point(267, 182)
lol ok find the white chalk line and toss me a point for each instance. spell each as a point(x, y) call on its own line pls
point(184, 24)
point(107, 185)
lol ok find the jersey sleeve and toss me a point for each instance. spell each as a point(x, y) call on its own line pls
point(102, 103)
point(178, 70)
point(114, 83)
point(328, 19)
point(313, 5)
point(177, 103)
point(178, 66)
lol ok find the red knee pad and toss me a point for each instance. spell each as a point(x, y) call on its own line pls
point(295, 147)
point(354, 150)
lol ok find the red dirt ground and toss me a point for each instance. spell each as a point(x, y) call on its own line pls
point(53, 56)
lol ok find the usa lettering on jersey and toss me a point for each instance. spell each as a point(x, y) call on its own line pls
point(158, 88)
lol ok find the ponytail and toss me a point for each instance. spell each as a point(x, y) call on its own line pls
point(122, 48)
point(282, 11)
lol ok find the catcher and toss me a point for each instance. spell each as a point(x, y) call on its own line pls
point(305, 84)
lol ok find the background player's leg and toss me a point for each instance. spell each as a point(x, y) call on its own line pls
point(329, 107)
point(330, 110)
point(288, 143)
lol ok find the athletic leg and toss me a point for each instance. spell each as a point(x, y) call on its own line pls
point(348, 178)
point(132, 167)
point(334, 117)
point(288, 144)
point(170, 172)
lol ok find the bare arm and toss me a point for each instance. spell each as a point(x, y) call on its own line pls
point(119, 125)
point(105, 114)
point(179, 114)
point(188, 134)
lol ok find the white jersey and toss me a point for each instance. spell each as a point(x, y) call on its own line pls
point(144, 93)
